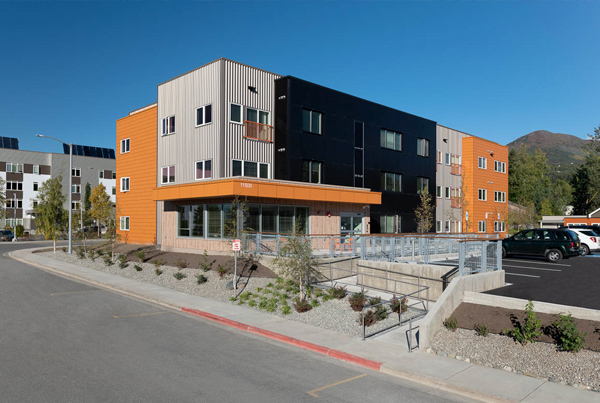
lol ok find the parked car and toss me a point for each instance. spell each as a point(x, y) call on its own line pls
point(6, 235)
point(590, 241)
point(554, 244)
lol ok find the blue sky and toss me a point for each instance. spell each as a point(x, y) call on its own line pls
point(495, 69)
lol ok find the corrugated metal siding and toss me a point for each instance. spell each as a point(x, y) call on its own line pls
point(444, 178)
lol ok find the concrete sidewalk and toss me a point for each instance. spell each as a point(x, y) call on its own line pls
point(458, 377)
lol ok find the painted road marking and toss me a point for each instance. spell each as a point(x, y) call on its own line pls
point(314, 394)
point(531, 268)
point(139, 314)
point(71, 292)
point(523, 275)
point(538, 262)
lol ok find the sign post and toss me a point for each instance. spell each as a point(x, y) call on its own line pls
point(236, 245)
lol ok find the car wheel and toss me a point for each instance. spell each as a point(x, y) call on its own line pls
point(585, 250)
point(553, 255)
point(504, 253)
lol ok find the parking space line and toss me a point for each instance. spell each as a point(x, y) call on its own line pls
point(314, 394)
point(139, 314)
point(538, 262)
point(72, 292)
point(530, 268)
point(523, 275)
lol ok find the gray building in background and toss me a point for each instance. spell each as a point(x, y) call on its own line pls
point(24, 172)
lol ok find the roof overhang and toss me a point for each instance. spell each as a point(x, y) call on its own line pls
point(266, 188)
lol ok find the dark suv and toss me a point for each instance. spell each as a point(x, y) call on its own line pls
point(6, 235)
point(554, 244)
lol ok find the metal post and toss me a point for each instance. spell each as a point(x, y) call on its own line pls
point(15, 217)
point(461, 258)
point(484, 245)
point(237, 227)
point(70, 197)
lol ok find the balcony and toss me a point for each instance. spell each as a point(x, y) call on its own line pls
point(454, 202)
point(456, 169)
point(258, 131)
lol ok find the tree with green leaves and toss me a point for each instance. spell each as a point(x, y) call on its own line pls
point(50, 215)
point(87, 205)
point(101, 206)
point(586, 185)
point(424, 213)
point(528, 177)
point(2, 198)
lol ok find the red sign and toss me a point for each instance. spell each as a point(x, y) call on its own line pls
point(236, 245)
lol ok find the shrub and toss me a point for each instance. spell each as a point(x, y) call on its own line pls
point(357, 301)
point(100, 252)
point(290, 283)
point(181, 264)
point(569, 338)
point(314, 303)
point(286, 310)
point(319, 293)
point(137, 267)
point(140, 254)
point(283, 298)
point(179, 275)
point(482, 329)
point(327, 297)
point(123, 261)
point(370, 317)
point(221, 270)
point(337, 292)
point(529, 330)
point(380, 310)
point(259, 289)
point(157, 263)
point(80, 253)
point(399, 305)
point(451, 323)
point(269, 285)
point(279, 280)
point(65, 249)
point(203, 264)
point(252, 303)
point(232, 299)
point(245, 295)
point(302, 305)
point(108, 261)
point(92, 255)
point(201, 279)
point(158, 271)
point(272, 305)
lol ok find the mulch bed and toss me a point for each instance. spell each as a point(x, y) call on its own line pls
point(498, 319)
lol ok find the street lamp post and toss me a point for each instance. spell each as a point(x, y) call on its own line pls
point(70, 186)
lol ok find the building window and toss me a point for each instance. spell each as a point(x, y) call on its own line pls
point(447, 158)
point(422, 185)
point(204, 115)
point(312, 121)
point(257, 116)
point(389, 224)
point(391, 182)
point(114, 175)
point(439, 157)
point(11, 222)
point(311, 171)
point(124, 146)
point(124, 223)
point(168, 125)
point(482, 226)
point(124, 184)
point(500, 166)
point(447, 192)
point(438, 192)
point(114, 190)
point(14, 203)
point(101, 174)
point(499, 226)
point(75, 205)
point(76, 172)
point(483, 194)
point(391, 140)
point(500, 196)
point(482, 163)
point(75, 188)
point(14, 167)
point(447, 226)
point(249, 168)
point(14, 185)
point(168, 174)
point(423, 147)
point(36, 169)
point(235, 113)
point(35, 186)
point(438, 226)
point(204, 169)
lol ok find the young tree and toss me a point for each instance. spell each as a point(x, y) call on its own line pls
point(87, 205)
point(295, 259)
point(101, 207)
point(2, 199)
point(424, 213)
point(50, 216)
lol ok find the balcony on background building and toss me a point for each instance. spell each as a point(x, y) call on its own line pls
point(454, 202)
point(456, 169)
point(258, 131)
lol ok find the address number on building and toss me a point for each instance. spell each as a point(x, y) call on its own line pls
point(246, 185)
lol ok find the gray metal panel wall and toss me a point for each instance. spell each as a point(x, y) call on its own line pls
point(181, 97)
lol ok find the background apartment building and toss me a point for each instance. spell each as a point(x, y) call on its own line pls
point(25, 172)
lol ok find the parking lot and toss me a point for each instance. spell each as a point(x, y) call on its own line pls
point(573, 282)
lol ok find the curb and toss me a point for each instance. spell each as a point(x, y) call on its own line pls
point(330, 352)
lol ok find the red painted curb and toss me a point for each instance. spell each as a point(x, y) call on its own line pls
point(339, 355)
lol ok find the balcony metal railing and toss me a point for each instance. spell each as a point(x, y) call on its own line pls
point(456, 169)
point(258, 131)
point(454, 202)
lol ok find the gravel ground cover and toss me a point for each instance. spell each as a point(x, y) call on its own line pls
point(334, 314)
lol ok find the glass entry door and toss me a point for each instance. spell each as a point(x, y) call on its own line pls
point(351, 223)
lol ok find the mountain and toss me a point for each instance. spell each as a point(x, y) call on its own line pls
point(560, 149)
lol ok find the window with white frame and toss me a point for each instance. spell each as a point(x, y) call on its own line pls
point(448, 158)
point(124, 223)
point(75, 188)
point(15, 167)
point(168, 125)
point(35, 186)
point(482, 162)
point(447, 192)
point(482, 226)
point(499, 226)
point(76, 172)
point(438, 226)
point(235, 113)
point(389, 224)
point(500, 196)
point(500, 166)
point(483, 194)
point(11, 222)
point(312, 121)
point(125, 184)
point(13, 185)
point(423, 147)
point(125, 146)
point(14, 203)
point(75, 205)
point(391, 140)
point(422, 184)
point(312, 171)
point(257, 116)
point(447, 226)
point(438, 191)
point(249, 168)
point(168, 174)
point(203, 169)
point(36, 169)
point(439, 157)
point(391, 182)
point(204, 115)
